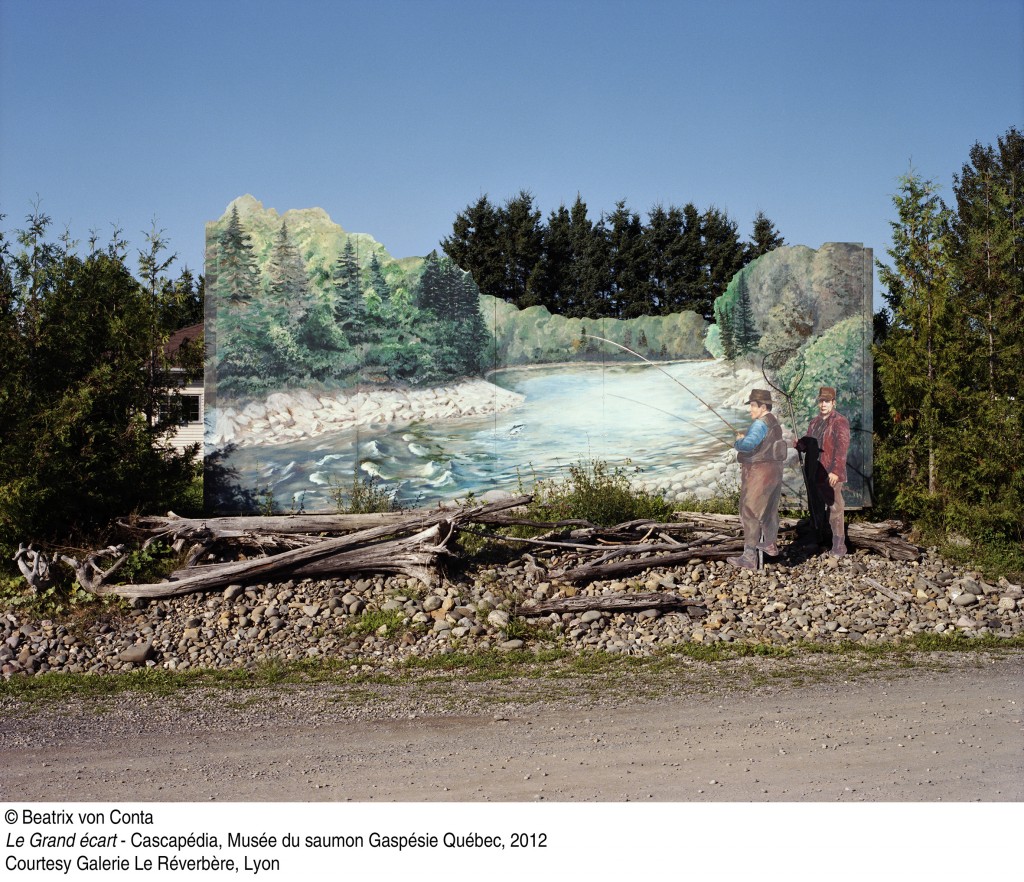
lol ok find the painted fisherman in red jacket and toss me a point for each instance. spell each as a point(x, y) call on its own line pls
point(831, 430)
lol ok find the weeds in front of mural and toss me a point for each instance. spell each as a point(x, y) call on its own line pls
point(364, 496)
point(595, 491)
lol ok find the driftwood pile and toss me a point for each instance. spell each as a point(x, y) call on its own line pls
point(415, 544)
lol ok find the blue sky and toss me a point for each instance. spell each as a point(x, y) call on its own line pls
point(394, 115)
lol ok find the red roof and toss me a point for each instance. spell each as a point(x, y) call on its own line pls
point(179, 338)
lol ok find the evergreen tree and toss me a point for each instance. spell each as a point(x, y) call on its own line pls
point(347, 290)
point(287, 293)
point(520, 240)
point(629, 287)
point(76, 448)
point(236, 271)
point(666, 254)
point(181, 301)
point(378, 283)
point(914, 361)
point(724, 320)
point(989, 256)
point(429, 294)
point(553, 282)
point(588, 272)
point(745, 333)
point(475, 245)
point(691, 289)
point(236, 336)
point(764, 238)
point(723, 254)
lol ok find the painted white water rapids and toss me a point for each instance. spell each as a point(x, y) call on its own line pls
point(631, 416)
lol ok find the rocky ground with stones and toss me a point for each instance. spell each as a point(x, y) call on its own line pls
point(380, 622)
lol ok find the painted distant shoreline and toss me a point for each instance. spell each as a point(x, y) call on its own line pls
point(284, 417)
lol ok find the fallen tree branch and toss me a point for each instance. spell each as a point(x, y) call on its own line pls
point(621, 602)
point(233, 527)
point(618, 569)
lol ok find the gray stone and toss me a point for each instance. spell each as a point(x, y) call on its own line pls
point(138, 654)
point(232, 592)
point(965, 599)
point(498, 618)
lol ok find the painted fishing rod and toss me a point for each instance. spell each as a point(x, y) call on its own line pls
point(785, 484)
point(732, 428)
point(674, 416)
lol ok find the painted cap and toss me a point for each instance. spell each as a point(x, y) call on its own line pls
point(759, 396)
point(826, 393)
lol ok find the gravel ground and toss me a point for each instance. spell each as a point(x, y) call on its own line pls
point(907, 726)
point(379, 623)
point(811, 729)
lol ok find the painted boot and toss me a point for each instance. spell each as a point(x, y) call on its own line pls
point(747, 560)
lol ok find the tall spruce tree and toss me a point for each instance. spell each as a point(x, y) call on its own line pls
point(475, 245)
point(521, 241)
point(914, 361)
point(236, 270)
point(723, 254)
point(288, 297)
point(745, 328)
point(989, 255)
point(629, 290)
point(347, 291)
point(763, 239)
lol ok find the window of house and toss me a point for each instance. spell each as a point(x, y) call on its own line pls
point(184, 407)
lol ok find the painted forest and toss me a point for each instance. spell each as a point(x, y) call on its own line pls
point(339, 323)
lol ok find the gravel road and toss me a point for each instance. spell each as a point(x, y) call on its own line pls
point(948, 727)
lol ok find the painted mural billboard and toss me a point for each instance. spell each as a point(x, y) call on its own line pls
point(331, 362)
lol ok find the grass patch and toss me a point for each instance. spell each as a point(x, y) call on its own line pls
point(595, 672)
point(371, 621)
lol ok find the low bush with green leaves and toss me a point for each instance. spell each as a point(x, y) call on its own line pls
point(595, 491)
point(365, 496)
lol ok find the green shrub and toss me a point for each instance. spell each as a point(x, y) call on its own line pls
point(597, 492)
point(365, 496)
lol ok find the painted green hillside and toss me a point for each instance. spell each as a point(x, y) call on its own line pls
point(296, 301)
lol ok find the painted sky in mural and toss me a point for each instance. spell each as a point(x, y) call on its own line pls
point(330, 362)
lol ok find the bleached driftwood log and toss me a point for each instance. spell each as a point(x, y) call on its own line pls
point(387, 548)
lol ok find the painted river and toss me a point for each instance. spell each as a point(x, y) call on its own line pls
point(631, 416)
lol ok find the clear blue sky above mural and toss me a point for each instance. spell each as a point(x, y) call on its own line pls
point(394, 115)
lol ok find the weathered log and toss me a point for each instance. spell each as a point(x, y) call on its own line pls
point(881, 537)
point(234, 527)
point(618, 569)
point(731, 521)
point(621, 602)
point(301, 559)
